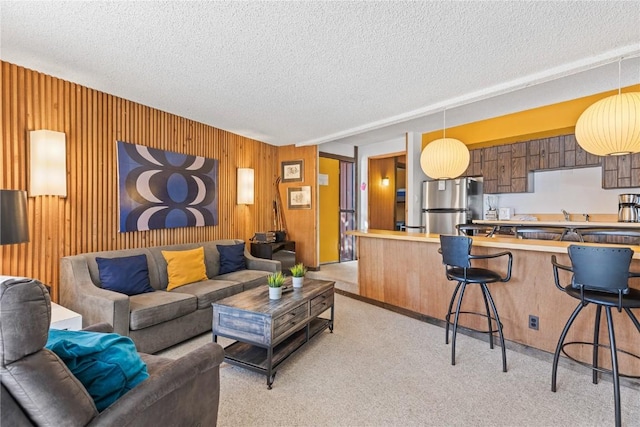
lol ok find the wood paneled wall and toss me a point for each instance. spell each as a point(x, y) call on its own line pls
point(86, 220)
point(302, 224)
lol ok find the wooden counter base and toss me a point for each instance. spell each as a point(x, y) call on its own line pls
point(406, 271)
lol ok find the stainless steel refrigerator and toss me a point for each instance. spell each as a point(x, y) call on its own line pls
point(446, 203)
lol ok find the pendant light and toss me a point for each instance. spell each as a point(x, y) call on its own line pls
point(611, 126)
point(444, 158)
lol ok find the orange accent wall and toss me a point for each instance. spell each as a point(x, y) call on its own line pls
point(329, 211)
point(541, 122)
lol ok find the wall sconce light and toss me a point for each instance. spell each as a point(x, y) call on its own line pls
point(245, 186)
point(385, 181)
point(47, 163)
point(13, 217)
point(444, 158)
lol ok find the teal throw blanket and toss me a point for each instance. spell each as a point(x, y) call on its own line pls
point(108, 365)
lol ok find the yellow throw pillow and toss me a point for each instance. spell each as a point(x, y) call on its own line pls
point(184, 267)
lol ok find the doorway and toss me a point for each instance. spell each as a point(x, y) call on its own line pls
point(337, 208)
point(387, 191)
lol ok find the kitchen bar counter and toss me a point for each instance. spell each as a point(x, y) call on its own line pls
point(405, 270)
point(509, 243)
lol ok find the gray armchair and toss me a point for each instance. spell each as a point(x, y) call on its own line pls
point(38, 389)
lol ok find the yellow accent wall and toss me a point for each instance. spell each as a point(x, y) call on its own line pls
point(541, 122)
point(329, 211)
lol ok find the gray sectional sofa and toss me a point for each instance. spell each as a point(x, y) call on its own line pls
point(157, 320)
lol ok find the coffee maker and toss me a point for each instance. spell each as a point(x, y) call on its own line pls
point(627, 207)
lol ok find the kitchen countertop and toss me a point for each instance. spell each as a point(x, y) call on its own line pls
point(569, 224)
point(550, 246)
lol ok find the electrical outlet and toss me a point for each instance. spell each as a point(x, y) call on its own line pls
point(534, 322)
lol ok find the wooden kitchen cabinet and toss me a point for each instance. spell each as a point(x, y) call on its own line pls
point(551, 153)
point(490, 169)
point(575, 156)
point(621, 171)
point(521, 177)
point(504, 169)
point(475, 163)
point(509, 168)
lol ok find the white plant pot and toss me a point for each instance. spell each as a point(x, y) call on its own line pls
point(297, 281)
point(275, 293)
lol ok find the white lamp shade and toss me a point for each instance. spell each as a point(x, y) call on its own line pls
point(47, 163)
point(611, 126)
point(444, 158)
point(245, 186)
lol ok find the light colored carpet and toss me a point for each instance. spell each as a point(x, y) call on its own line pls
point(380, 368)
point(345, 274)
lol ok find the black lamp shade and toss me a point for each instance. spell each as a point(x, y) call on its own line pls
point(13, 217)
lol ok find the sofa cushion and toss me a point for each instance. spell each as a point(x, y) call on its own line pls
point(127, 275)
point(231, 258)
point(210, 291)
point(157, 307)
point(185, 267)
point(249, 278)
point(108, 365)
point(212, 256)
point(90, 259)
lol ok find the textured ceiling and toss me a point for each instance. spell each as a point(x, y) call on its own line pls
point(314, 72)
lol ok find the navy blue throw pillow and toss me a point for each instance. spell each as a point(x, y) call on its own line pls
point(127, 275)
point(231, 258)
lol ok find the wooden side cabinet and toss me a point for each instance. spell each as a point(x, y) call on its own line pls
point(285, 252)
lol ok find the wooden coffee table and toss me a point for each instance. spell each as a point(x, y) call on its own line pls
point(268, 331)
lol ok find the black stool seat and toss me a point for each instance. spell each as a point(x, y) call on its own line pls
point(456, 256)
point(473, 275)
point(607, 299)
point(601, 277)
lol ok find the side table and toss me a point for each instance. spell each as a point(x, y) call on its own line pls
point(63, 318)
point(285, 252)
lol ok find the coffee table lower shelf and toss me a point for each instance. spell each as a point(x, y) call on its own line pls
point(256, 358)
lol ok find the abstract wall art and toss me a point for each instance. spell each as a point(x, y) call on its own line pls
point(162, 189)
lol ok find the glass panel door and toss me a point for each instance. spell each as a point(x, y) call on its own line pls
point(347, 211)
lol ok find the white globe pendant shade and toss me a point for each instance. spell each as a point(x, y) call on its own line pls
point(611, 126)
point(444, 158)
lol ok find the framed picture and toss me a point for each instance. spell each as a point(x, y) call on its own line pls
point(299, 197)
point(292, 171)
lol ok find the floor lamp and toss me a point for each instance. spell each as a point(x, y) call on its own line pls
point(13, 217)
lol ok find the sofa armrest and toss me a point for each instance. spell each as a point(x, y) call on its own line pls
point(185, 392)
point(96, 305)
point(254, 263)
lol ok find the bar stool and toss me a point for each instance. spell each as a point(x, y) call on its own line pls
point(626, 236)
point(476, 230)
point(456, 256)
point(538, 232)
point(600, 276)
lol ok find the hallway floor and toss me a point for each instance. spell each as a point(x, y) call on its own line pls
point(345, 274)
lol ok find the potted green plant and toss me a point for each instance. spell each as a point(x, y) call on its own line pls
point(275, 282)
point(298, 271)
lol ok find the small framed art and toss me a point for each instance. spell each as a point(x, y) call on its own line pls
point(299, 197)
point(292, 171)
